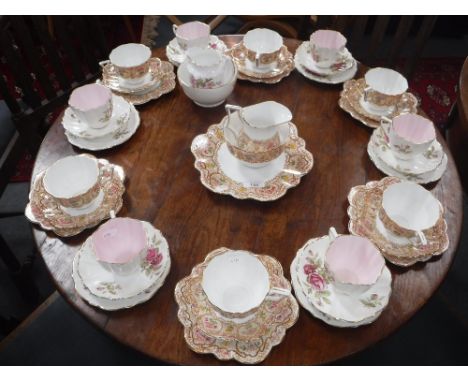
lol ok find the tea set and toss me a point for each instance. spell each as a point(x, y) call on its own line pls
point(237, 304)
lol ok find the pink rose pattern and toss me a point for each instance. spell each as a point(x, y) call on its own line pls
point(318, 279)
point(152, 261)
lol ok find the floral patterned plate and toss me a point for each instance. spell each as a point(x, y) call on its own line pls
point(339, 75)
point(176, 54)
point(103, 283)
point(222, 173)
point(365, 202)
point(124, 129)
point(44, 210)
point(316, 283)
point(284, 69)
point(248, 341)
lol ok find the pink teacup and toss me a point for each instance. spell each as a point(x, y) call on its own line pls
point(409, 134)
point(192, 34)
point(92, 104)
point(119, 245)
point(327, 47)
point(354, 262)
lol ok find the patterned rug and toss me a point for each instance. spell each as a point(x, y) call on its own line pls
point(434, 83)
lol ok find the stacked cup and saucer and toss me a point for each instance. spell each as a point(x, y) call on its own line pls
point(254, 152)
point(207, 76)
point(132, 73)
point(121, 264)
point(406, 147)
point(325, 58)
point(75, 193)
point(262, 57)
point(236, 305)
point(403, 219)
point(96, 119)
point(341, 279)
point(381, 93)
point(189, 35)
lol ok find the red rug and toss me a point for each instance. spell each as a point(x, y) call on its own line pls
point(434, 83)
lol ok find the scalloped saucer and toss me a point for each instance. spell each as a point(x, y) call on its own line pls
point(176, 54)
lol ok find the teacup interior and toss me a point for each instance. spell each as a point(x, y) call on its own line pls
point(386, 81)
point(411, 206)
point(263, 40)
point(119, 240)
point(328, 39)
point(354, 260)
point(266, 114)
point(89, 97)
point(71, 176)
point(414, 128)
point(193, 30)
point(129, 55)
point(204, 56)
point(236, 281)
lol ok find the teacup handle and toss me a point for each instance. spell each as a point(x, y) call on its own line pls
point(366, 93)
point(112, 214)
point(386, 124)
point(174, 28)
point(332, 234)
point(104, 63)
point(422, 237)
point(230, 108)
point(275, 291)
point(257, 59)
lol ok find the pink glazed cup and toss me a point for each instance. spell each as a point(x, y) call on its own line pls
point(192, 34)
point(327, 47)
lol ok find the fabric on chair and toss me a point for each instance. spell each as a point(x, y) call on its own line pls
point(7, 129)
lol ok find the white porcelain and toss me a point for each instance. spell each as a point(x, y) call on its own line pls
point(177, 55)
point(125, 127)
point(92, 104)
point(262, 42)
point(409, 134)
point(131, 62)
point(236, 282)
point(411, 207)
point(307, 67)
point(192, 34)
point(384, 87)
point(327, 47)
point(206, 67)
point(208, 97)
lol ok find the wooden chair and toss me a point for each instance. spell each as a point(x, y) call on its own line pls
point(366, 37)
point(287, 26)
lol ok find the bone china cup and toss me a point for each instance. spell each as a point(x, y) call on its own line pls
point(408, 209)
point(131, 62)
point(409, 134)
point(92, 104)
point(192, 34)
point(237, 283)
point(206, 67)
point(327, 47)
point(73, 181)
point(384, 89)
point(119, 245)
point(263, 49)
point(354, 262)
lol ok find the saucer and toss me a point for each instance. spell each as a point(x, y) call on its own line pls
point(126, 127)
point(352, 93)
point(176, 54)
point(44, 210)
point(164, 86)
point(222, 173)
point(284, 69)
point(416, 165)
point(120, 115)
point(250, 341)
point(347, 310)
point(365, 202)
point(335, 75)
point(114, 82)
point(104, 284)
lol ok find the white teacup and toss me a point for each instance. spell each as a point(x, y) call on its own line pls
point(354, 262)
point(132, 63)
point(237, 282)
point(327, 47)
point(408, 210)
point(206, 67)
point(192, 34)
point(120, 245)
point(384, 89)
point(409, 134)
point(92, 104)
point(263, 49)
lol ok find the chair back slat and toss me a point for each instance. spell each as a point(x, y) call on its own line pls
point(9, 99)
point(23, 36)
point(377, 36)
point(401, 35)
point(85, 47)
point(99, 35)
point(359, 28)
point(50, 48)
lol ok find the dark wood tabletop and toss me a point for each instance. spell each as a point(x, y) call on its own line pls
point(163, 187)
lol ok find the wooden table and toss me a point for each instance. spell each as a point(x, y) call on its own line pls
point(164, 188)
